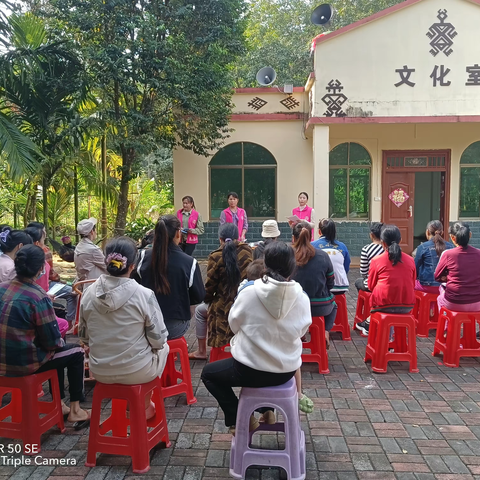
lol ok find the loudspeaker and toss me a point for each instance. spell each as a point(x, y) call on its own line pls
point(322, 14)
point(266, 76)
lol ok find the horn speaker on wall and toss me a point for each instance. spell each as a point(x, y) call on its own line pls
point(266, 76)
point(322, 15)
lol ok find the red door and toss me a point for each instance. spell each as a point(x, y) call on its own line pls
point(398, 202)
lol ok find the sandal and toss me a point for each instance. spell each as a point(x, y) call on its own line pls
point(81, 424)
point(305, 404)
point(192, 356)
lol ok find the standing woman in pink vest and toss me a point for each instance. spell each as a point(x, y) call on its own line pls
point(192, 225)
point(236, 215)
point(304, 212)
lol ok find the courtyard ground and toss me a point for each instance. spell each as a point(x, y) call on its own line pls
point(365, 426)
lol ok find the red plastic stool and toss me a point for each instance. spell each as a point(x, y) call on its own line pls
point(24, 409)
point(139, 441)
point(456, 346)
point(170, 377)
point(404, 343)
point(421, 312)
point(363, 308)
point(316, 345)
point(219, 353)
point(341, 320)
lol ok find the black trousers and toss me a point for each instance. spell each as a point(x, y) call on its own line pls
point(219, 378)
point(188, 248)
point(71, 357)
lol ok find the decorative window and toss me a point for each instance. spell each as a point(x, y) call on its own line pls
point(350, 166)
point(470, 182)
point(249, 170)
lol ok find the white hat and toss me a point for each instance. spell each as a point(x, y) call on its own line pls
point(270, 229)
point(86, 226)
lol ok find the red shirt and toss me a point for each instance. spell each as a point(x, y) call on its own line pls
point(461, 267)
point(392, 286)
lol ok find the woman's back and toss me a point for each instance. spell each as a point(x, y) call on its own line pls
point(461, 266)
point(392, 285)
point(268, 319)
point(185, 280)
point(317, 278)
point(426, 261)
point(113, 315)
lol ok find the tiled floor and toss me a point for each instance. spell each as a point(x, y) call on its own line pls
point(397, 425)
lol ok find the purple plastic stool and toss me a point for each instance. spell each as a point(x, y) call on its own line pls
point(284, 398)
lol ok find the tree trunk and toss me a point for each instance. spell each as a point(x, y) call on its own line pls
point(104, 180)
point(45, 203)
point(75, 201)
point(127, 161)
point(31, 208)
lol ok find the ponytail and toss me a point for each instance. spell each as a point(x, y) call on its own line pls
point(328, 229)
point(304, 250)
point(228, 232)
point(435, 229)
point(165, 231)
point(391, 236)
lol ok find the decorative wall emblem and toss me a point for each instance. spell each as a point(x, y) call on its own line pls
point(334, 99)
point(399, 197)
point(257, 103)
point(441, 35)
point(290, 103)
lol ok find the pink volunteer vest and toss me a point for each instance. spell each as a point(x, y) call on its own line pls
point(192, 223)
point(305, 214)
point(241, 217)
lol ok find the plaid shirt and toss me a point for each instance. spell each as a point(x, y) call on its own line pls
point(29, 331)
point(54, 276)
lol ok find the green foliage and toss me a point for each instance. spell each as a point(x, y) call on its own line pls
point(138, 228)
point(279, 34)
point(160, 70)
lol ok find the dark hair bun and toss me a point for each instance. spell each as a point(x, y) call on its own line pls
point(29, 261)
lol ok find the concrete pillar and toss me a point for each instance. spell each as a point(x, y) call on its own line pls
point(321, 153)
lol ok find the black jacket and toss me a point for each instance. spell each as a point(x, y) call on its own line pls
point(185, 278)
point(317, 279)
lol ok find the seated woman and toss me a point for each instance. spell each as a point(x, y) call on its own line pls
point(35, 345)
point(315, 274)
point(270, 233)
point(427, 257)
point(269, 317)
point(122, 325)
point(392, 276)
point(11, 241)
point(173, 275)
point(338, 253)
point(368, 252)
point(459, 268)
point(227, 267)
point(38, 237)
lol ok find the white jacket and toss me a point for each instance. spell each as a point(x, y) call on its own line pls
point(268, 320)
point(121, 322)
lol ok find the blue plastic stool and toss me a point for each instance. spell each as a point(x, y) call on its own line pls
point(284, 399)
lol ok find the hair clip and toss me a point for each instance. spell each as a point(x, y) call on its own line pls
point(117, 260)
point(4, 235)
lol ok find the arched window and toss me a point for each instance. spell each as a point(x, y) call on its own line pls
point(470, 182)
point(251, 171)
point(350, 166)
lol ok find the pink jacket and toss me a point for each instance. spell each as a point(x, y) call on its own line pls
point(192, 223)
point(305, 214)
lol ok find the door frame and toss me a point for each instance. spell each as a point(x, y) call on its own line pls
point(411, 169)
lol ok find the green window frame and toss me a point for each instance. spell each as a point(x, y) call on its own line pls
point(349, 182)
point(249, 170)
point(469, 192)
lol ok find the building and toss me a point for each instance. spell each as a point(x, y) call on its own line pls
point(387, 128)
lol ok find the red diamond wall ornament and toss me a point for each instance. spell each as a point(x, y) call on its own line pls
point(398, 197)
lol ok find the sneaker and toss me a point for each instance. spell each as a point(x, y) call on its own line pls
point(268, 417)
point(363, 327)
